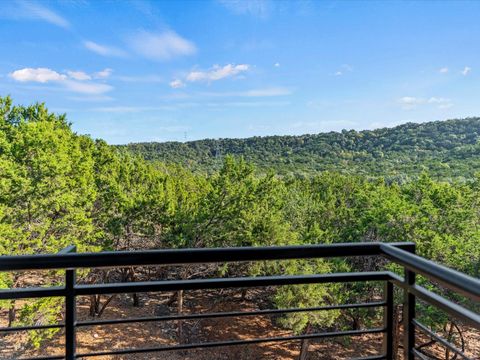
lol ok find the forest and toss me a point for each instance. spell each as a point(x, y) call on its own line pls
point(415, 182)
point(445, 149)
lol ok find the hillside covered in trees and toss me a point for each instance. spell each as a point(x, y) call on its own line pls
point(59, 188)
point(446, 149)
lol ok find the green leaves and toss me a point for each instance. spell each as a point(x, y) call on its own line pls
point(58, 188)
point(446, 149)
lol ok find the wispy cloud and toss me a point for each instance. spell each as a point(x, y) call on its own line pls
point(257, 8)
point(466, 70)
point(160, 46)
point(217, 72)
point(91, 98)
point(443, 103)
point(263, 92)
point(411, 102)
point(32, 10)
point(75, 81)
point(103, 74)
point(87, 88)
point(104, 50)
point(443, 70)
point(79, 75)
point(177, 84)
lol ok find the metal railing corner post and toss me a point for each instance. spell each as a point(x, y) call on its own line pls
point(70, 312)
point(409, 314)
point(388, 323)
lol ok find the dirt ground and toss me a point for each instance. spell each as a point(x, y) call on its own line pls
point(138, 335)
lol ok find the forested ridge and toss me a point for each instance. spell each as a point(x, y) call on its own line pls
point(446, 149)
point(59, 188)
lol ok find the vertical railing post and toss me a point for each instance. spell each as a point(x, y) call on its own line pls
point(388, 321)
point(70, 312)
point(409, 315)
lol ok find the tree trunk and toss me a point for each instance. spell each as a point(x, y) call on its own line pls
point(180, 311)
point(305, 345)
point(449, 339)
point(11, 313)
point(94, 305)
point(136, 300)
point(244, 294)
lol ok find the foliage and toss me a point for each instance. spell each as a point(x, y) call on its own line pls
point(445, 149)
point(59, 188)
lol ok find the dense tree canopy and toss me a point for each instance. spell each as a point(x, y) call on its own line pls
point(446, 149)
point(59, 188)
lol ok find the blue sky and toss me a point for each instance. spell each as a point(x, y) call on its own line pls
point(170, 70)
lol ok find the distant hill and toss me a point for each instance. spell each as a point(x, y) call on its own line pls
point(447, 149)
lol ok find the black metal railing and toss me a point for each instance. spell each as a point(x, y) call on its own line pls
point(400, 253)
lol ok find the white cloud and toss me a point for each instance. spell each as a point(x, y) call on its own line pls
point(443, 70)
point(466, 70)
point(76, 81)
point(176, 84)
point(442, 103)
point(338, 73)
point(87, 88)
point(217, 72)
point(105, 73)
point(410, 102)
point(435, 100)
point(276, 64)
point(32, 10)
point(41, 75)
point(79, 75)
point(103, 49)
point(161, 46)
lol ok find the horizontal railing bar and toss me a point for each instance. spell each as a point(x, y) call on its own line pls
point(187, 256)
point(442, 303)
point(175, 285)
point(232, 342)
point(27, 328)
point(440, 339)
point(228, 314)
point(31, 293)
point(448, 306)
point(454, 280)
